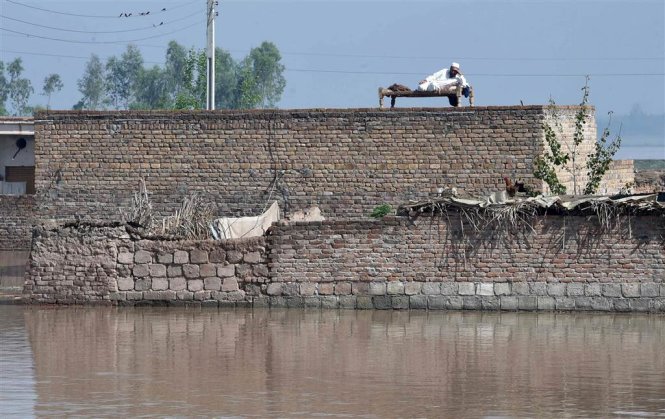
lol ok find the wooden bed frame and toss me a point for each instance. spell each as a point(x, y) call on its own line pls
point(444, 92)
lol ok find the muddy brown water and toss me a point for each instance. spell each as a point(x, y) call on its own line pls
point(127, 362)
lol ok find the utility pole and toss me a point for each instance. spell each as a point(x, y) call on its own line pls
point(210, 55)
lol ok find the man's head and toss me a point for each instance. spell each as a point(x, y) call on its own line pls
point(454, 69)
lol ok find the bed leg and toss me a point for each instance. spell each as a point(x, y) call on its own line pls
point(392, 102)
point(471, 98)
point(380, 97)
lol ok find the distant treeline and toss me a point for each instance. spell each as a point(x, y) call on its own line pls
point(637, 128)
point(125, 83)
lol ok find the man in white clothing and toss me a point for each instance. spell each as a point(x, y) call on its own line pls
point(447, 77)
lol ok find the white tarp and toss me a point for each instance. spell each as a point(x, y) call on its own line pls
point(242, 227)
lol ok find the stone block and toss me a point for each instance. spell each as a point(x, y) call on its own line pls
point(274, 289)
point(190, 271)
point(490, 302)
point(207, 269)
point(177, 284)
point(307, 288)
point(118, 296)
point(252, 257)
point(198, 256)
point(520, 288)
point(277, 302)
point(564, 303)
point(217, 256)
point(134, 295)
point(546, 303)
point(291, 289)
point(252, 289)
point(126, 258)
point(159, 295)
point(243, 270)
point(195, 285)
point(466, 288)
point(412, 288)
point(611, 290)
point(395, 288)
point(360, 288)
point(502, 288)
point(202, 295)
point(662, 290)
point(312, 302)
point(431, 288)
point(125, 284)
point(575, 289)
point(418, 302)
point(142, 257)
point(649, 290)
point(165, 258)
point(347, 301)
point(261, 270)
point(230, 285)
point(538, 288)
point(449, 288)
point(485, 288)
point(601, 304)
point(527, 302)
point(174, 271)
point(364, 302)
point(157, 270)
point(592, 290)
point(556, 289)
point(659, 305)
point(238, 295)
point(630, 290)
point(453, 302)
point(184, 295)
point(377, 288)
point(234, 256)
point(180, 257)
point(436, 302)
point(400, 302)
point(471, 302)
point(142, 284)
point(621, 304)
point(343, 288)
point(583, 303)
point(261, 301)
point(641, 305)
point(509, 303)
point(382, 302)
point(329, 301)
point(326, 288)
point(212, 283)
point(160, 284)
point(226, 270)
point(140, 271)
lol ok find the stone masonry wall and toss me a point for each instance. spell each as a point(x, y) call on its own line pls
point(345, 161)
point(16, 218)
point(564, 263)
point(106, 265)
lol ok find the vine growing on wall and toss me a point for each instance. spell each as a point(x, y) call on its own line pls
point(554, 157)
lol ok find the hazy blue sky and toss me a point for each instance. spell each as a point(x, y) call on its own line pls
point(338, 52)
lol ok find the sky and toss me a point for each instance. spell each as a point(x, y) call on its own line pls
point(337, 53)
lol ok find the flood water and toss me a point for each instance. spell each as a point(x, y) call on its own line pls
point(127, 362)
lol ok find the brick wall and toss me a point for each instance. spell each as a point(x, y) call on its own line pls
point(345, 161)
point(620, 175)
point(16, 218)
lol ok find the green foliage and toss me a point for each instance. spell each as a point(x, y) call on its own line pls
point(381, 211)
point(269, 83)
point(91, 85)
point(52, 84)
point(151, 90)
point(4, 89)
point(599, 161)
point(19, 88)
point(122, 75)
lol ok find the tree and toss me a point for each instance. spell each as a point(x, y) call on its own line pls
point(52, 83)
point(193, 93)
point(122, 75)
point(152, 90)
point(270, 82)
point(248, 95)
point(4, 89)
point(226, 80)
point(91, 85)
point(174, 69)
point(20, 88)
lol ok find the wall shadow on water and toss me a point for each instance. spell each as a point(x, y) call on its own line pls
point(94, 361)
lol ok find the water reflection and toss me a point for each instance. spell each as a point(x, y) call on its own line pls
point(130, 362)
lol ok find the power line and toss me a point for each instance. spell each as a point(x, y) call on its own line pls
point(72, 41)
point(118, 31)
point(99, 16)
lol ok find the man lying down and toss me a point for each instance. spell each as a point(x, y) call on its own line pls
point(445, 78)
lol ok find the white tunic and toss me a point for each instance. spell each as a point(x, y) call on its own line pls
point(440, 79)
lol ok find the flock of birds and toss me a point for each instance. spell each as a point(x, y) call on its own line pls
point(124, 14)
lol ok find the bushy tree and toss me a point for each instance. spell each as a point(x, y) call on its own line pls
point(122, 75)
point(265, 62)
point(91, 85)
point(4, 90)
point(20, 88)
point(52, 84)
